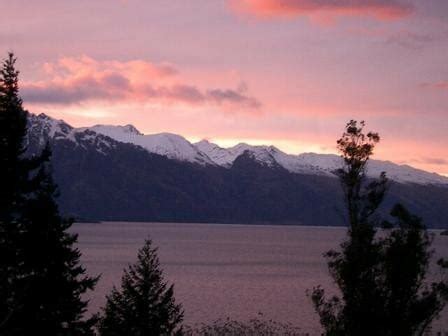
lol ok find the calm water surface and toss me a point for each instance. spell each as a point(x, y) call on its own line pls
point(220, 271)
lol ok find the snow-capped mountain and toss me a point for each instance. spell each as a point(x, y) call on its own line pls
point(42, 128)
point(206, 153)
point(396, 172)
point(312, 163)
point(116, 173)
point(170, 145)
point(269, 156)
point(226, 156)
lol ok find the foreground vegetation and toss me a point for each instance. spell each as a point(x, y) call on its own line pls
point(254, 327)
point(42, 282)
point(382, 280)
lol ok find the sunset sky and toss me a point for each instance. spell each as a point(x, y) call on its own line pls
point(284, 72)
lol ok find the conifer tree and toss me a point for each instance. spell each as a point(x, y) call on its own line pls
point(144, 305)
point(55, 279)
point(382, 279)
point(12, 132)
point(41, 279)
point(13, 182)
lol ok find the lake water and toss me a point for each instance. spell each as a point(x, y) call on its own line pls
point(220, 271)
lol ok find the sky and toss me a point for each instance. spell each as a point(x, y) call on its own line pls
point(290, 73)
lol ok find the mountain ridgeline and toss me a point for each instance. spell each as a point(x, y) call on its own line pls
point(116, 173)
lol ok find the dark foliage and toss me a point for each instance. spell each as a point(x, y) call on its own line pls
point(382, 279)
point(145, 304)
point(13, 121)
point(253, 327)
point(41, 281)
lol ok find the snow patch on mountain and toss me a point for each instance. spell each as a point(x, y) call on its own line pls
point(46, 127)
point(405, 173)
point(127, 133)
point(43, 128)
point(267, 155)
point(226, 156)
point(170, 145)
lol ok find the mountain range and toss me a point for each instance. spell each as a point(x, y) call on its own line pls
point(117, 173)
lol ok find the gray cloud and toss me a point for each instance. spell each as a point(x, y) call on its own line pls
point(116, 87)
point(223, 96)
point(111, 87)
point(435, 161)
point(416, 40)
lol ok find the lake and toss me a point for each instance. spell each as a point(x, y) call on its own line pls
point(220, 271)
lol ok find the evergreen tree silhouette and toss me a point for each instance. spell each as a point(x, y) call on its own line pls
point(41, 281)
point(144, 305)
point(13, 122)
point(382, 279)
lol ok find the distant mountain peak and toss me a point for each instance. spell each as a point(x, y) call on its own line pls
point(126, 129)
point(47, 127)
point(205, 142)
point(131, 129)
point(43, 116)
point(167, 144)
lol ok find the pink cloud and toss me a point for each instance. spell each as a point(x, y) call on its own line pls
point(83, 79)
point(379, 9)
point(85, 65)
point(442, 85)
